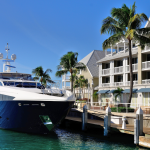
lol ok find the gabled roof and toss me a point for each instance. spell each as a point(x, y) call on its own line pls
point(91, 59)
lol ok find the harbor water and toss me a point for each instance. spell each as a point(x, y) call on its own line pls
point(62, 139)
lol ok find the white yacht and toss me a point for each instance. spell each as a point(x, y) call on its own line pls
point(26, 105)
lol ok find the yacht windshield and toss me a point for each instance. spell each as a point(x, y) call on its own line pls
point(20, 84)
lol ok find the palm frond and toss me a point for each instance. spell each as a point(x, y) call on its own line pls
point(109, 26)
point(112, 40)
point(35, 78)
point(60, 73)
point(50, 81)
point(47, 71)
point(130, 34)
point(142, 40)
point(80, 65)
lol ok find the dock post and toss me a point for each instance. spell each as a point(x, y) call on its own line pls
point(138, 125)
point(107, 121)
point(123, 122)
point(84, 118)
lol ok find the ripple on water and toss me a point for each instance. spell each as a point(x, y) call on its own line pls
point(59, 139)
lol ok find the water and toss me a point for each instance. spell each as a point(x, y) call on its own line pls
point(60, 139)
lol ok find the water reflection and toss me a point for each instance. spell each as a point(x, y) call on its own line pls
point(60, 139)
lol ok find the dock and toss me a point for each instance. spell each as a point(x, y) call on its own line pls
point(99, 122)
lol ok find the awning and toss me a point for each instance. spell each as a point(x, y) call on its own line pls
point(111, 91)
point(128, 91)
point(143, 90)
point(103, 91)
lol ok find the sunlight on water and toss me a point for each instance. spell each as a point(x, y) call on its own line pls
point(60, 139)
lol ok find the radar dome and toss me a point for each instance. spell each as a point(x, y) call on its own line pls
point(1, 56)
point(13, 56)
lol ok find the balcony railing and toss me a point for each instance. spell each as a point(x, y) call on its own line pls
point(66, 77)
point(147, 81)
point(118, 69)
point(106, 71)
point(105, 84)
point(146, 65)
point(117, 84)
point(134, 67)
point(128, 83)
point(147, 48)
point(67, 87)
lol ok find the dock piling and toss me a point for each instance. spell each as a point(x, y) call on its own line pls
point(138, 125)
point(84, 118)
point(123, 122)
point(107, 121)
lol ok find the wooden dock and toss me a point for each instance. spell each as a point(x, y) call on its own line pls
point(143, 140)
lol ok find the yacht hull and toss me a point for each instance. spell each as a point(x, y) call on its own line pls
point(32, 116)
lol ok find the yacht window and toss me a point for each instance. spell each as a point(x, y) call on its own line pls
point(18, 84)
point(1, 84)
point(29, 84)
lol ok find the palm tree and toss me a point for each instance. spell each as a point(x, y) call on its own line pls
point(82, 83)
point(124, 22)
point(118, 92)
point(41, 75)
point(69, 63)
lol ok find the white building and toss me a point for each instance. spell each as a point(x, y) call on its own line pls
point(114, 72)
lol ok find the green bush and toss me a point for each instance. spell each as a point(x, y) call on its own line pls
point(121, 109)
point(80, 101)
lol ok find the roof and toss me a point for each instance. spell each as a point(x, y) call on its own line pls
point(91, 59)
point(119, 55)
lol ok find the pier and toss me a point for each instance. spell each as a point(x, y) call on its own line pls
point(96, 119)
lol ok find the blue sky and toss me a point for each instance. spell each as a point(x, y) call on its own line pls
point(39, 32)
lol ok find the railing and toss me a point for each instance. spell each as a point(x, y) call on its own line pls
point(146, 65)
point(105, 84)
point(117, 84)
point(67, 87)
point(106, 71)
point(147, 81)
point(134, 83)
point(134, 67)
point(116, 106)
point(66, 77)
point(147, 48)
point(118, 69)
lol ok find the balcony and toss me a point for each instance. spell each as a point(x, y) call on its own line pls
point(127, 83)
point(67, 87)
point(118, 69)
point(117, 83)
point(147, 81)
point(145, 65)
point(134, 67)
point(147, 48)
point(66, 77)
point(105, 84)
point(106, 71)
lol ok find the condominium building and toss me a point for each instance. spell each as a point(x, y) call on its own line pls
point(114, 72)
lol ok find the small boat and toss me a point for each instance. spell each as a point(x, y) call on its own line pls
point(26, 105)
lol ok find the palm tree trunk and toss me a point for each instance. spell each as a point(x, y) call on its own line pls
point(131, 73)
point(71, 83)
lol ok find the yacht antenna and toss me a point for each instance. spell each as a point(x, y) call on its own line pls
point(7, 49)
